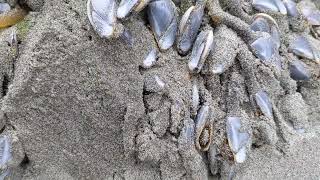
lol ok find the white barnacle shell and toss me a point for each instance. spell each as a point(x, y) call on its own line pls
point(127, 6)
point(4, 7)
point(203, 128)
point(264, 103)
point(189, 27)
point(200, 51)
point(299, 71)
point(273, 5)
point(151, 59)
point(291, 7)
point(237, 140)
point(162, 15)
point(5, 154)
point(102, 16)
point(302, 47)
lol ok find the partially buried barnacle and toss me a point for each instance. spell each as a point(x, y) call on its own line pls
point(302, 47)
point(299, 71)
point(204, 128)
point(272, 5)
point(195, 99)
point(237, 140)
point(189, 27)
point(4, 7)
point(102, 17)
point(312, 14)
point(267, 51)
point(154, 84)
point(5, 154)
point(265, 23)
point(291, 7)
point(162, 15)
point(12, 17)
point(101, 14)
point(151, 58)
point(127, 6)
point(201, 50)
point(264, 103)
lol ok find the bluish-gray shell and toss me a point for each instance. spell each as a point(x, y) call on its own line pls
point(302, 47)
point(291, 7)
point(264, 103)
point(310, 12)
point(200, 51)
point(102, 16)
point(273, 5)
point(189, 27)
point(4, 7)
point(5, 154)
point(195, 99)
point(299, 71)
point(162, 17)
point(264, 48)
point(203, 128)
point(260, 24)
point(126, 7)
point(151, 58)
point(237, 139)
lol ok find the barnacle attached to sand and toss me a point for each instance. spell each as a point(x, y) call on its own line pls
point(299, 71)
point(128, 6)
point(189, 27)
point(302, 47)
point(150, 59)
point(264, 103)
point(200, 51)
point(203, 128)
point(273, 5)
point(162, 15)
point(237, 139)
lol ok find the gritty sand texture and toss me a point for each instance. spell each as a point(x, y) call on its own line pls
point(82, 107)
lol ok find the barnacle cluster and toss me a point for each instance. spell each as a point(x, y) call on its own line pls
point(239, 54)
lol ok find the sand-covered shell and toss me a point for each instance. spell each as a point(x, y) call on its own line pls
point(200, 51)
point(309, 10)
point(5, 154)
point(195, 99)
point(150, 59)
point(189, 27)
point(299, 71)
point(291, 7)
point(302, 47)
point(102, 16)
point(204, 128)
point(162, 15)
point(264, 103)
point(264, 48)
point(237, 140)
point(271, 5)
point(154, 84)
